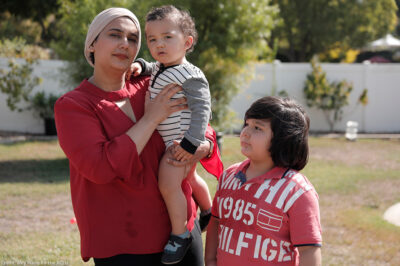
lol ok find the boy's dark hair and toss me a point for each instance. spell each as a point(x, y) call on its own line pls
point(289, 125)
point(182, 17)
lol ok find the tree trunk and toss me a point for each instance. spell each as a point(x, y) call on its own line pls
point(330, 121)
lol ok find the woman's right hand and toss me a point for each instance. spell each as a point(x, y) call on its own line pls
point(159, 108)
point(155, 111)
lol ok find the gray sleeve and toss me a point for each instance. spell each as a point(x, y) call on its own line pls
point(147, 67)
point(198, 97)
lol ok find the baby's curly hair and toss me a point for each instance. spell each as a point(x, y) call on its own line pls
point(182, 17)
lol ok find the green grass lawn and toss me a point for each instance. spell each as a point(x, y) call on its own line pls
point(356, 182)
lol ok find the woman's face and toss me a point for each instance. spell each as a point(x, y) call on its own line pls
point(116, 45)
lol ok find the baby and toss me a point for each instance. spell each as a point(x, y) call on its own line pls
point(170, 35)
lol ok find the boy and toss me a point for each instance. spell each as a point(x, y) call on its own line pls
point(264, 211)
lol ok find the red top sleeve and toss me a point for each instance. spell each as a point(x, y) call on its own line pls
point(213, 164)
point(305, 224)
point(83, 140)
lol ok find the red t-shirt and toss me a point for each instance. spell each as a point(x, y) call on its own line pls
point(263, 220)
point(114, 190)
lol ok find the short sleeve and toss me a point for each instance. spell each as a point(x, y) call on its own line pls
point(304, 220)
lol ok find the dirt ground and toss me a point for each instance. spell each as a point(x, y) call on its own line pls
point(50, 214)
point(344, 243)
point(54, 213)
point(373, 156)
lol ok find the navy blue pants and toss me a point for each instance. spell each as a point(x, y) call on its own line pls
point(193, 257)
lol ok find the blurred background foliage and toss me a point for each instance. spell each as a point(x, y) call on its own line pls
point(318, 26)
point(232, 34)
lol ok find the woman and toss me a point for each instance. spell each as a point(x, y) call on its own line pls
point(106, 127)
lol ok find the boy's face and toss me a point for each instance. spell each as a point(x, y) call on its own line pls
point(255, 140)
point(166, 41)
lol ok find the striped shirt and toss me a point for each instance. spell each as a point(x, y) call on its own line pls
point(189, 124)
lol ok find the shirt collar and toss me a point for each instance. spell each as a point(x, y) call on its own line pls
point(108, 95)
point(164, 67)
point(274, 173)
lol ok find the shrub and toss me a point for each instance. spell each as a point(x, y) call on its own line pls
point(43, 104)
point(330, 97)
point(18, 48)
point(17, 83)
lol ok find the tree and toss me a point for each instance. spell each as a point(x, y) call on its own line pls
point(315, 26)
point(17, 83)
point(18, 48)
point(232, 33)
point(330, 97)
point(397, 31)
point(37, 10)
point(75, 19)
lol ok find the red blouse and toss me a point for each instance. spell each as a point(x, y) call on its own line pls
point(114, 190)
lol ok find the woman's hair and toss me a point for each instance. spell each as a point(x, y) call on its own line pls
point(182, 18)
point(289, 125)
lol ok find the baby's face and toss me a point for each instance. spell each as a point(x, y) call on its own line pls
point(166, 41)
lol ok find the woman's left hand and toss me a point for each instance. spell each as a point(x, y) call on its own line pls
point(158, 109)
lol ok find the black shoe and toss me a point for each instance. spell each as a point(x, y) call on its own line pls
point(181, 246)
point(204, 220)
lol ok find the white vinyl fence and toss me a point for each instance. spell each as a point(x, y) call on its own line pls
point(381, 115)
point(25, 122)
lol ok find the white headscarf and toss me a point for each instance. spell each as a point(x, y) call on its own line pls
point(101, 21)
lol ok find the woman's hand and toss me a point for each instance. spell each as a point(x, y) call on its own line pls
point(158, 109)
point(155, 111)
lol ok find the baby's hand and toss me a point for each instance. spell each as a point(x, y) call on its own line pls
point(181, 155)
point(134, 70)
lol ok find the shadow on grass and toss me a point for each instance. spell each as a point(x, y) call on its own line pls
point(20, 140)
point(45, 171)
